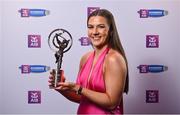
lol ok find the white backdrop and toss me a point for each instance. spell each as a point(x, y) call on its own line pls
point(1, 59)
point(71, 15)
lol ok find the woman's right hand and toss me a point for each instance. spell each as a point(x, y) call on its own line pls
point(67, 89)
point(52, 78)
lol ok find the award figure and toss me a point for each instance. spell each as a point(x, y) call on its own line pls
point(59, 41)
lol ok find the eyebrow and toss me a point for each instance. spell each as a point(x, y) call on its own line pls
point(96, 25)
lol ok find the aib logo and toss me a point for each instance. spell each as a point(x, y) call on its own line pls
point(152, 96)
point(85, 41)
point(34, 41)
point(34, 97)
point(152, 41)
point(92, 9)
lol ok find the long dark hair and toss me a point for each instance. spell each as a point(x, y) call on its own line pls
point(114, 40)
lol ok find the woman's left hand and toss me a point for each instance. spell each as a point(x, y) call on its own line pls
point(62, 86)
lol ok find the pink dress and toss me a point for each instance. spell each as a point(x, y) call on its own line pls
point(96, 83)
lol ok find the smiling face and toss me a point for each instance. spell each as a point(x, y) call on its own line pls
point(98, 30)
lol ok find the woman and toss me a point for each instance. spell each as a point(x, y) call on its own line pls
point(103, 72)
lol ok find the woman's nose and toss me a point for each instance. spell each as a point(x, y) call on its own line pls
point(95, 31)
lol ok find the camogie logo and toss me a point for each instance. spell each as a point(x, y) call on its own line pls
point(25, 12)
point(152, 68)
point(153, 13)
point(25, 69)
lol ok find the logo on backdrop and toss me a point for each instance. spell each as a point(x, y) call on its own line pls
point(85, 41)
point(34, 97)
point(152, 41)
point(92, 9)
point(34, 41)
point(25, 12)
point(153, 13)
point(152, 96)
point(34, 69)
point(152, 68)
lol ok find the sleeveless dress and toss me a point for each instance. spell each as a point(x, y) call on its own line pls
point(96, 83)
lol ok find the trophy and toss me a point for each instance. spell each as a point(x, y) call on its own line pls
point(59, 41)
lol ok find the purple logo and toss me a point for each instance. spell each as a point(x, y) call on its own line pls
point(152, 96)
point(85, 41)
point(33, 12)
point(25, 69)
point(143, 68)
point(34, 41)
point(152, 68)
point(152, 41)
point(24, 12)
point(153, 13)
point(92, 9)
point(143, 13)
point(34, 68)
point(34, 97)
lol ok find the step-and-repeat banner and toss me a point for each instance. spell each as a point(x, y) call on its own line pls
point(149, 31)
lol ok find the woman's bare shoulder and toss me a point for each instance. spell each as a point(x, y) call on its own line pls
point(115, 58)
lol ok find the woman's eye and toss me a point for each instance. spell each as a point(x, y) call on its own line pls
point(90, 27)
point(101, 26)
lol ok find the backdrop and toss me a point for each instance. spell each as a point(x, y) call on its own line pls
point(149, 32)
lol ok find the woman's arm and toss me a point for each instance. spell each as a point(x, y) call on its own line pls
point(67, 91)
point(70, 95)
point(114, 76)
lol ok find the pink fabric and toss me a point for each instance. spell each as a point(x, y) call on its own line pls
point(96, 83)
